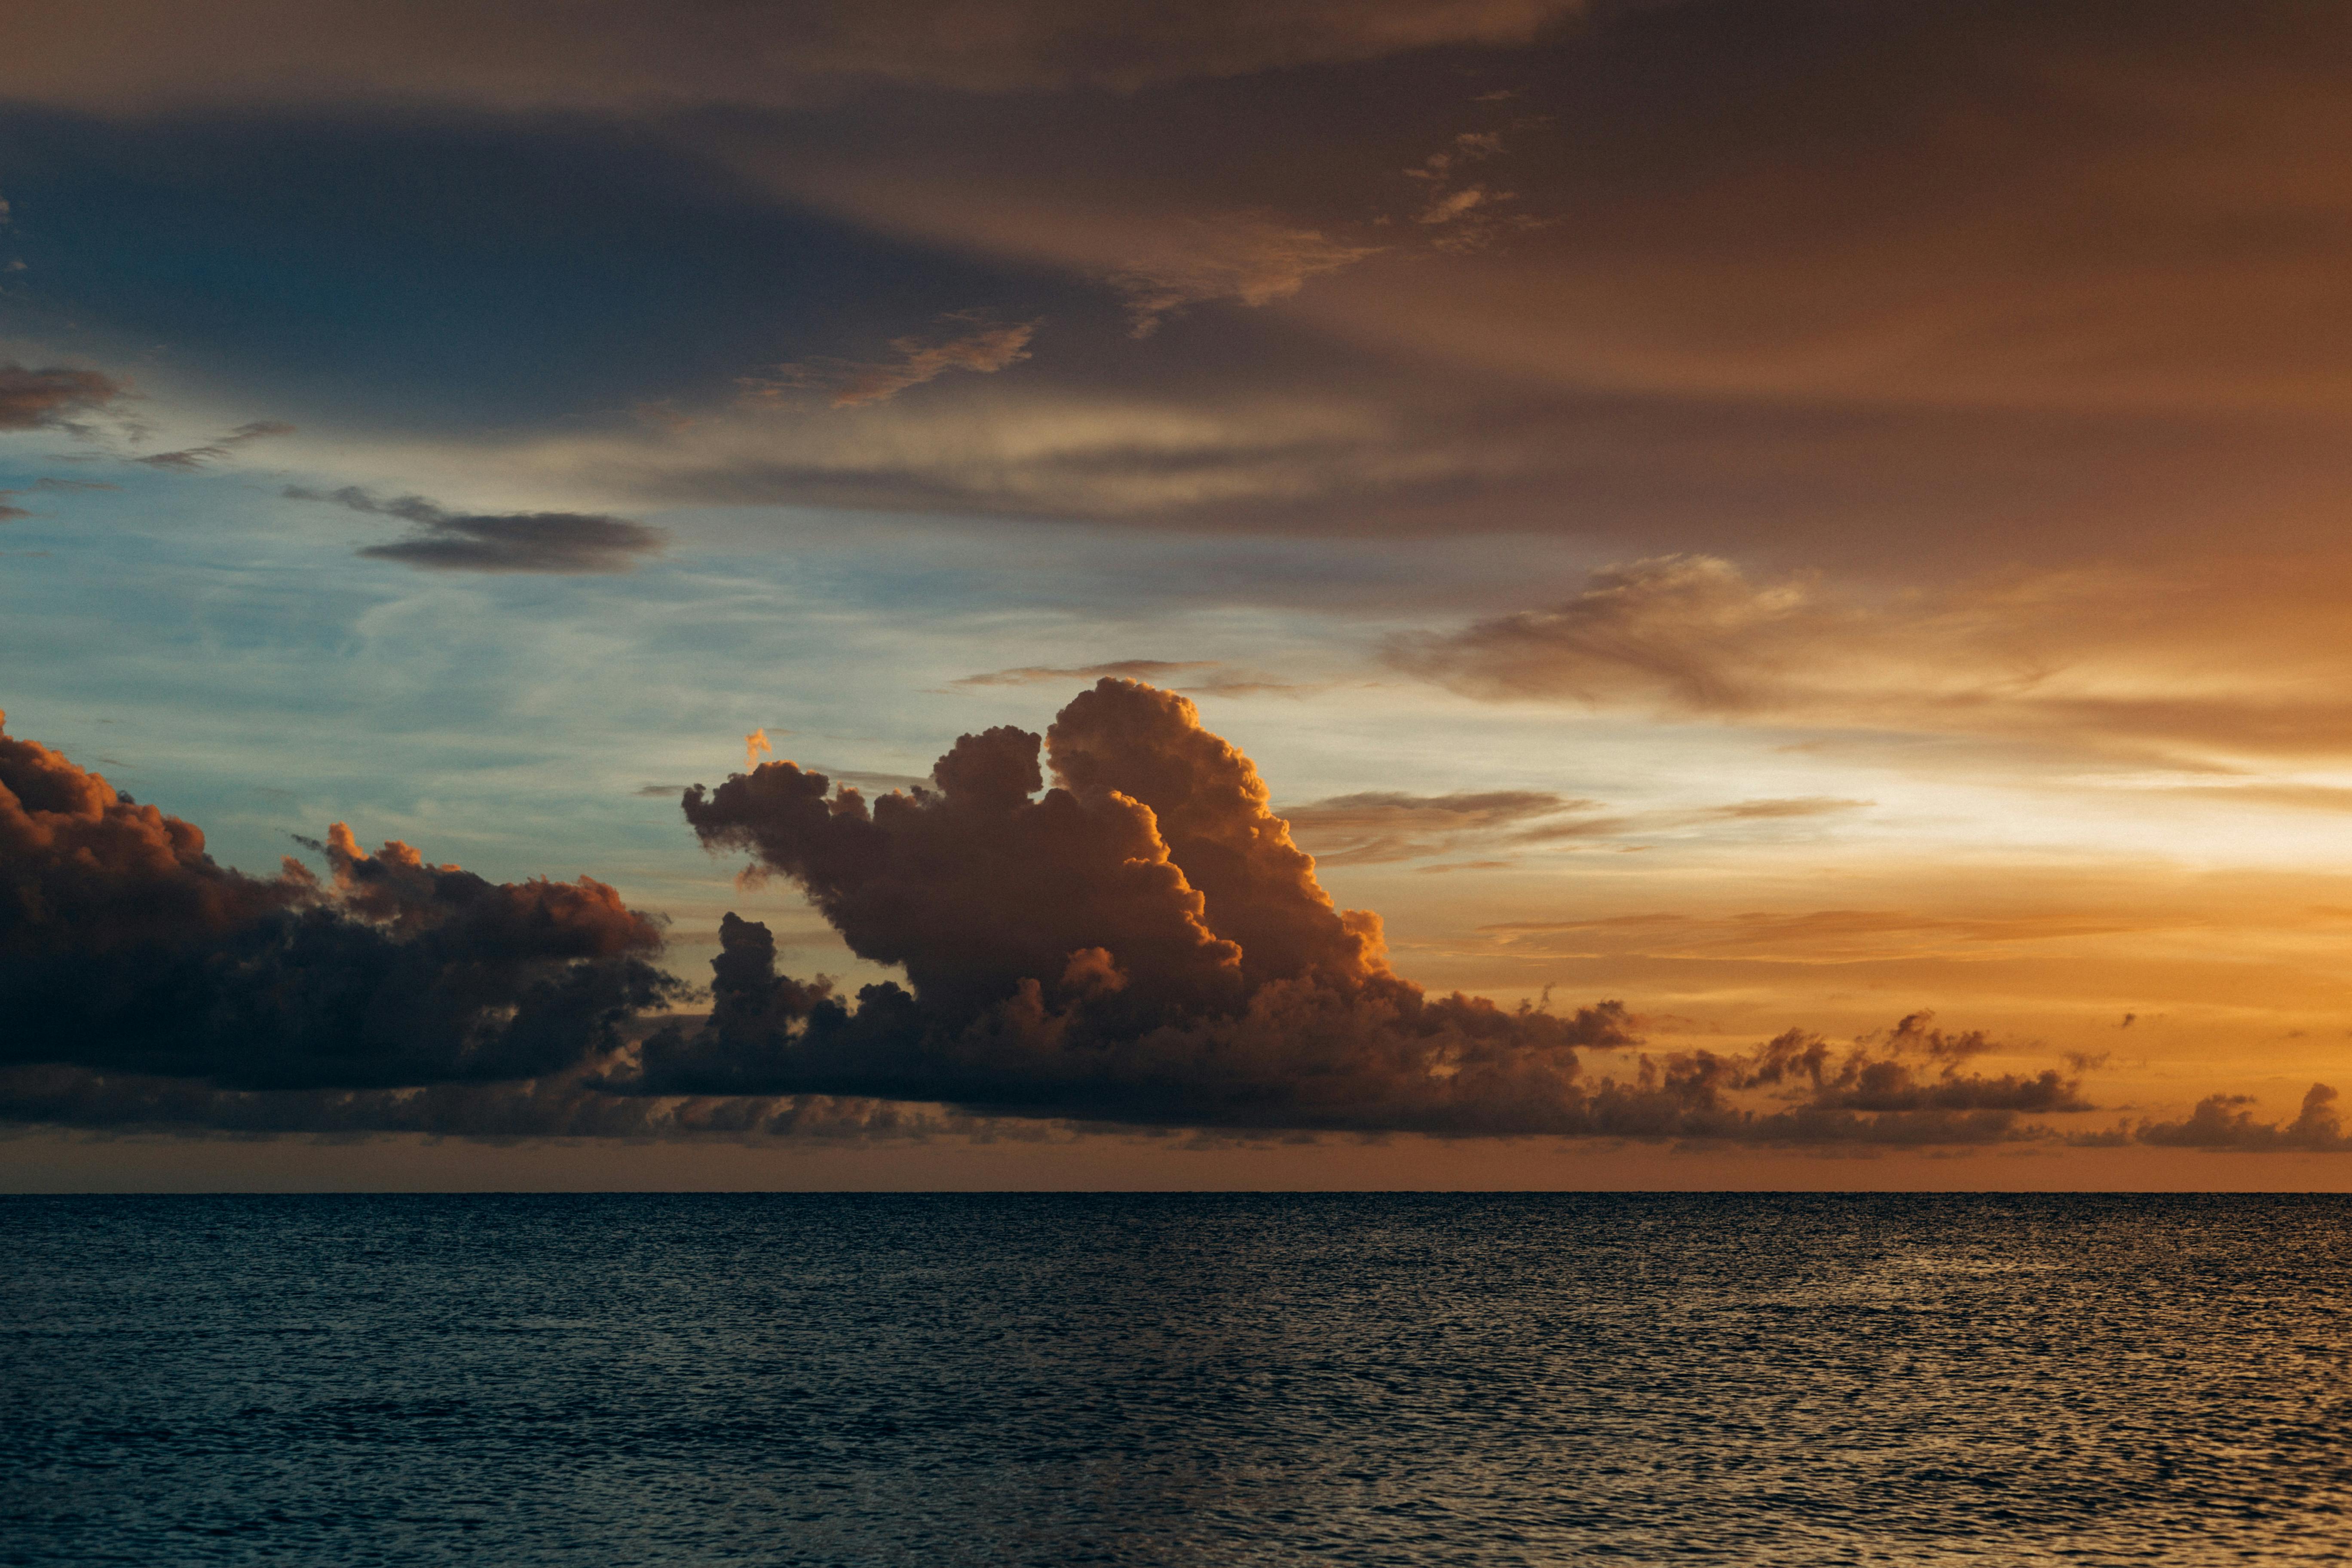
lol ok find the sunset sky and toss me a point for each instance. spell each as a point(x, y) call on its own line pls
point(1791, 516)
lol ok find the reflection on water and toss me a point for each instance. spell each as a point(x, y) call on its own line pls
point(1180, 1379)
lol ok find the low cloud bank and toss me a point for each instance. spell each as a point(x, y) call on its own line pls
point(2222, 1122)
point(1141, 944)
point(124, 948)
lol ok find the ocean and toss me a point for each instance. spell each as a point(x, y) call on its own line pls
point(1213, 1380)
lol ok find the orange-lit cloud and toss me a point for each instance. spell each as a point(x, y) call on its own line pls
point(2093, 660)
point(1245, 256)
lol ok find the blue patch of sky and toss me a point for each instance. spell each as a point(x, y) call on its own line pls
point(467, 274)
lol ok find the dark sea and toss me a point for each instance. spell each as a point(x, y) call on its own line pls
point(1176, 1379)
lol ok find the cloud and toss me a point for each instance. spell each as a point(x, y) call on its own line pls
point(2188, 670)
point(558, 1105)
point(124, 948)
point(1228, 682)
point(640, 53)
point(553, 541)
point(1143, 943)
point(1246, 256)
point(1785, 809)
point(853, 383)
point(9, 512)
point(2221, 1122)
point(189, 458)
point(1383, 825)
point(1141, 946)
point(1123, 669)
point(43, 399)
point(1453, 204)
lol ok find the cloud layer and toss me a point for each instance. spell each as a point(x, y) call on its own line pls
point(853, 383)
point(1141, 944)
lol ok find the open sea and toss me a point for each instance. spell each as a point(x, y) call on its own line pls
point(1175, 1379)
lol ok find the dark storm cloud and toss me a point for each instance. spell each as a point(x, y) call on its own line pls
point(48, 398)
point(124, 948)
point(553, 541)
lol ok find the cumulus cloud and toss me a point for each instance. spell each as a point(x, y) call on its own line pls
point(2221, 1121)
point(188, 459)
point(124, 948)
point(853, 383)
point(1247, 257)
point(551, 541)
point(1143, 942)
point(48, 398)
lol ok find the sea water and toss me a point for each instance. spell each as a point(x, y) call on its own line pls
point(1175, 1379)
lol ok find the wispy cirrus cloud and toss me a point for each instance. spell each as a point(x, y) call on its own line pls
point(188, 459)
point(1250, 258)
point(1385, 825)
point(984, 350)
point(2093, 660)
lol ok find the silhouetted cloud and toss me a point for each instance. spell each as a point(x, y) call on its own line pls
point(1144, 944)
point(43, 399)
point(552, 542)
point(853, 383)
point(125, 948)
point(2221, 1121)
point(1141, 944)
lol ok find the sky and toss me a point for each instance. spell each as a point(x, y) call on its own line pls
point(1456, 594)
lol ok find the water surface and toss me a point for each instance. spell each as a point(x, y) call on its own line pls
point(1205, 1380)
